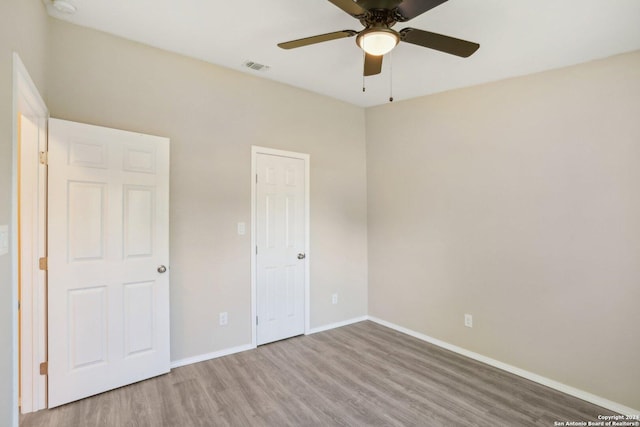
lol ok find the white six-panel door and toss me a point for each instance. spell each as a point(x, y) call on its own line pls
point(108, 300)
point(280, 239)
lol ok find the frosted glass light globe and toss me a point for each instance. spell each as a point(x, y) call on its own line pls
point(377, 41)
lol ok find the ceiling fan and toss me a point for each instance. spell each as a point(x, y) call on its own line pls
point(378, 38)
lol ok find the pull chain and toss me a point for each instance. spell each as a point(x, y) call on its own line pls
point(390, 77)
point(364, 60)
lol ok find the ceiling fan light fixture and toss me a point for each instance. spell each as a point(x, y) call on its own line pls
point(377, 41)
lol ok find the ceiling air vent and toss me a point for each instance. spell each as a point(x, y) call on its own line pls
point(255, 66)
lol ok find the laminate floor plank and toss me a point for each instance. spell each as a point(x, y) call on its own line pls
point(358, 375)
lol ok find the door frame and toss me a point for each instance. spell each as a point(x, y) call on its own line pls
point(27, 101)
point(255, 151)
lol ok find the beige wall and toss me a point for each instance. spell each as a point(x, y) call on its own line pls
point(213, 116)
point(516, 202)
point(23, 29)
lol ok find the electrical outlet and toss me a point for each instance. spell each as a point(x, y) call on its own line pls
point(468, 321)
point(4, 239)
point(242, 229)
point(334, 299)
point(223, 318)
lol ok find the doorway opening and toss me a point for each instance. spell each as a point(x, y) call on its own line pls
point(30, 117)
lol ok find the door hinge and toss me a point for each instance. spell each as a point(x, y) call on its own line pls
point(44, 368)
point(256, 178)
point(44, 158)
point(43, 263)
point(256, 320)
point(256, 250)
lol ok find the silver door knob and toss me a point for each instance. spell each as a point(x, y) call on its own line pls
point(302, 256)
point(162, 269)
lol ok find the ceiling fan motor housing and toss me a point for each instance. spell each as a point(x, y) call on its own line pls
point(379, 18)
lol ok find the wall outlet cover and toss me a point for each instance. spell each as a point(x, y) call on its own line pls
point(4, 239)
point(223, 318)
point(468, 321)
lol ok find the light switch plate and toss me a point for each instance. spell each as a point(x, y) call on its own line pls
point(4, 239)
point(242, 228)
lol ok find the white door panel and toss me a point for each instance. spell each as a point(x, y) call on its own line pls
point(108, 234)
point(280, 228)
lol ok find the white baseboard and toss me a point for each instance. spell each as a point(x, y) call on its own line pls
point(336, 325)
point(572, 391)
point(209, 356)
point(233, 350)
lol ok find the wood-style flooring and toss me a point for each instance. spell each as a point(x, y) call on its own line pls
point(358, 375)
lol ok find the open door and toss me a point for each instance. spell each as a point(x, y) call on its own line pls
point(107, 259)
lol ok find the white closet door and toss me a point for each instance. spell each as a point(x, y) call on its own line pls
point(280, 228)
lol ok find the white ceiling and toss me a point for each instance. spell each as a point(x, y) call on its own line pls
point(516, 37)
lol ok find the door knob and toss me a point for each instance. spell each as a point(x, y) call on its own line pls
point(162, 269)
point(302, 256)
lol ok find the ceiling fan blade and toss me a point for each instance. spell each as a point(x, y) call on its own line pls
point(372, 64)
point(349, 6)
point(439, 42)
point(409, 9)
point(317, 39)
